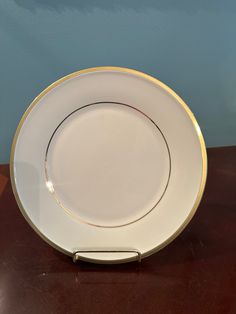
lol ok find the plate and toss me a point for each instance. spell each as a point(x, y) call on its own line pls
point(108, 164)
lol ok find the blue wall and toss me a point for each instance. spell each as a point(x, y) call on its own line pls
point(189, 45)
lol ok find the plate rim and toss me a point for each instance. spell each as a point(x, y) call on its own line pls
point(158, 83)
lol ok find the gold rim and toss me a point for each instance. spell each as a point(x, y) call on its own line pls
point(155, 81)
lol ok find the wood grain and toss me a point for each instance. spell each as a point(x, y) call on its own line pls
point(194, 274)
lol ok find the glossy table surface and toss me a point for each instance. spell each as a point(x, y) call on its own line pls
point(195, 274)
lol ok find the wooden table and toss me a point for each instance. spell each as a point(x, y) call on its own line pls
point(195, 274)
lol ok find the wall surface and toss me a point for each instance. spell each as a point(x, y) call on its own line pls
point(189, 45)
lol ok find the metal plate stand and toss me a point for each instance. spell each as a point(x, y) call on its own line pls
point(76, 254)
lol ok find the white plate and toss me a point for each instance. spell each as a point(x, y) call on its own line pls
point(106, 159)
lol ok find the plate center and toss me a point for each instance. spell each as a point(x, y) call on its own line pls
point(107, 164)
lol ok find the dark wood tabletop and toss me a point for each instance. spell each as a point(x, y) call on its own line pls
point(196, 273)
